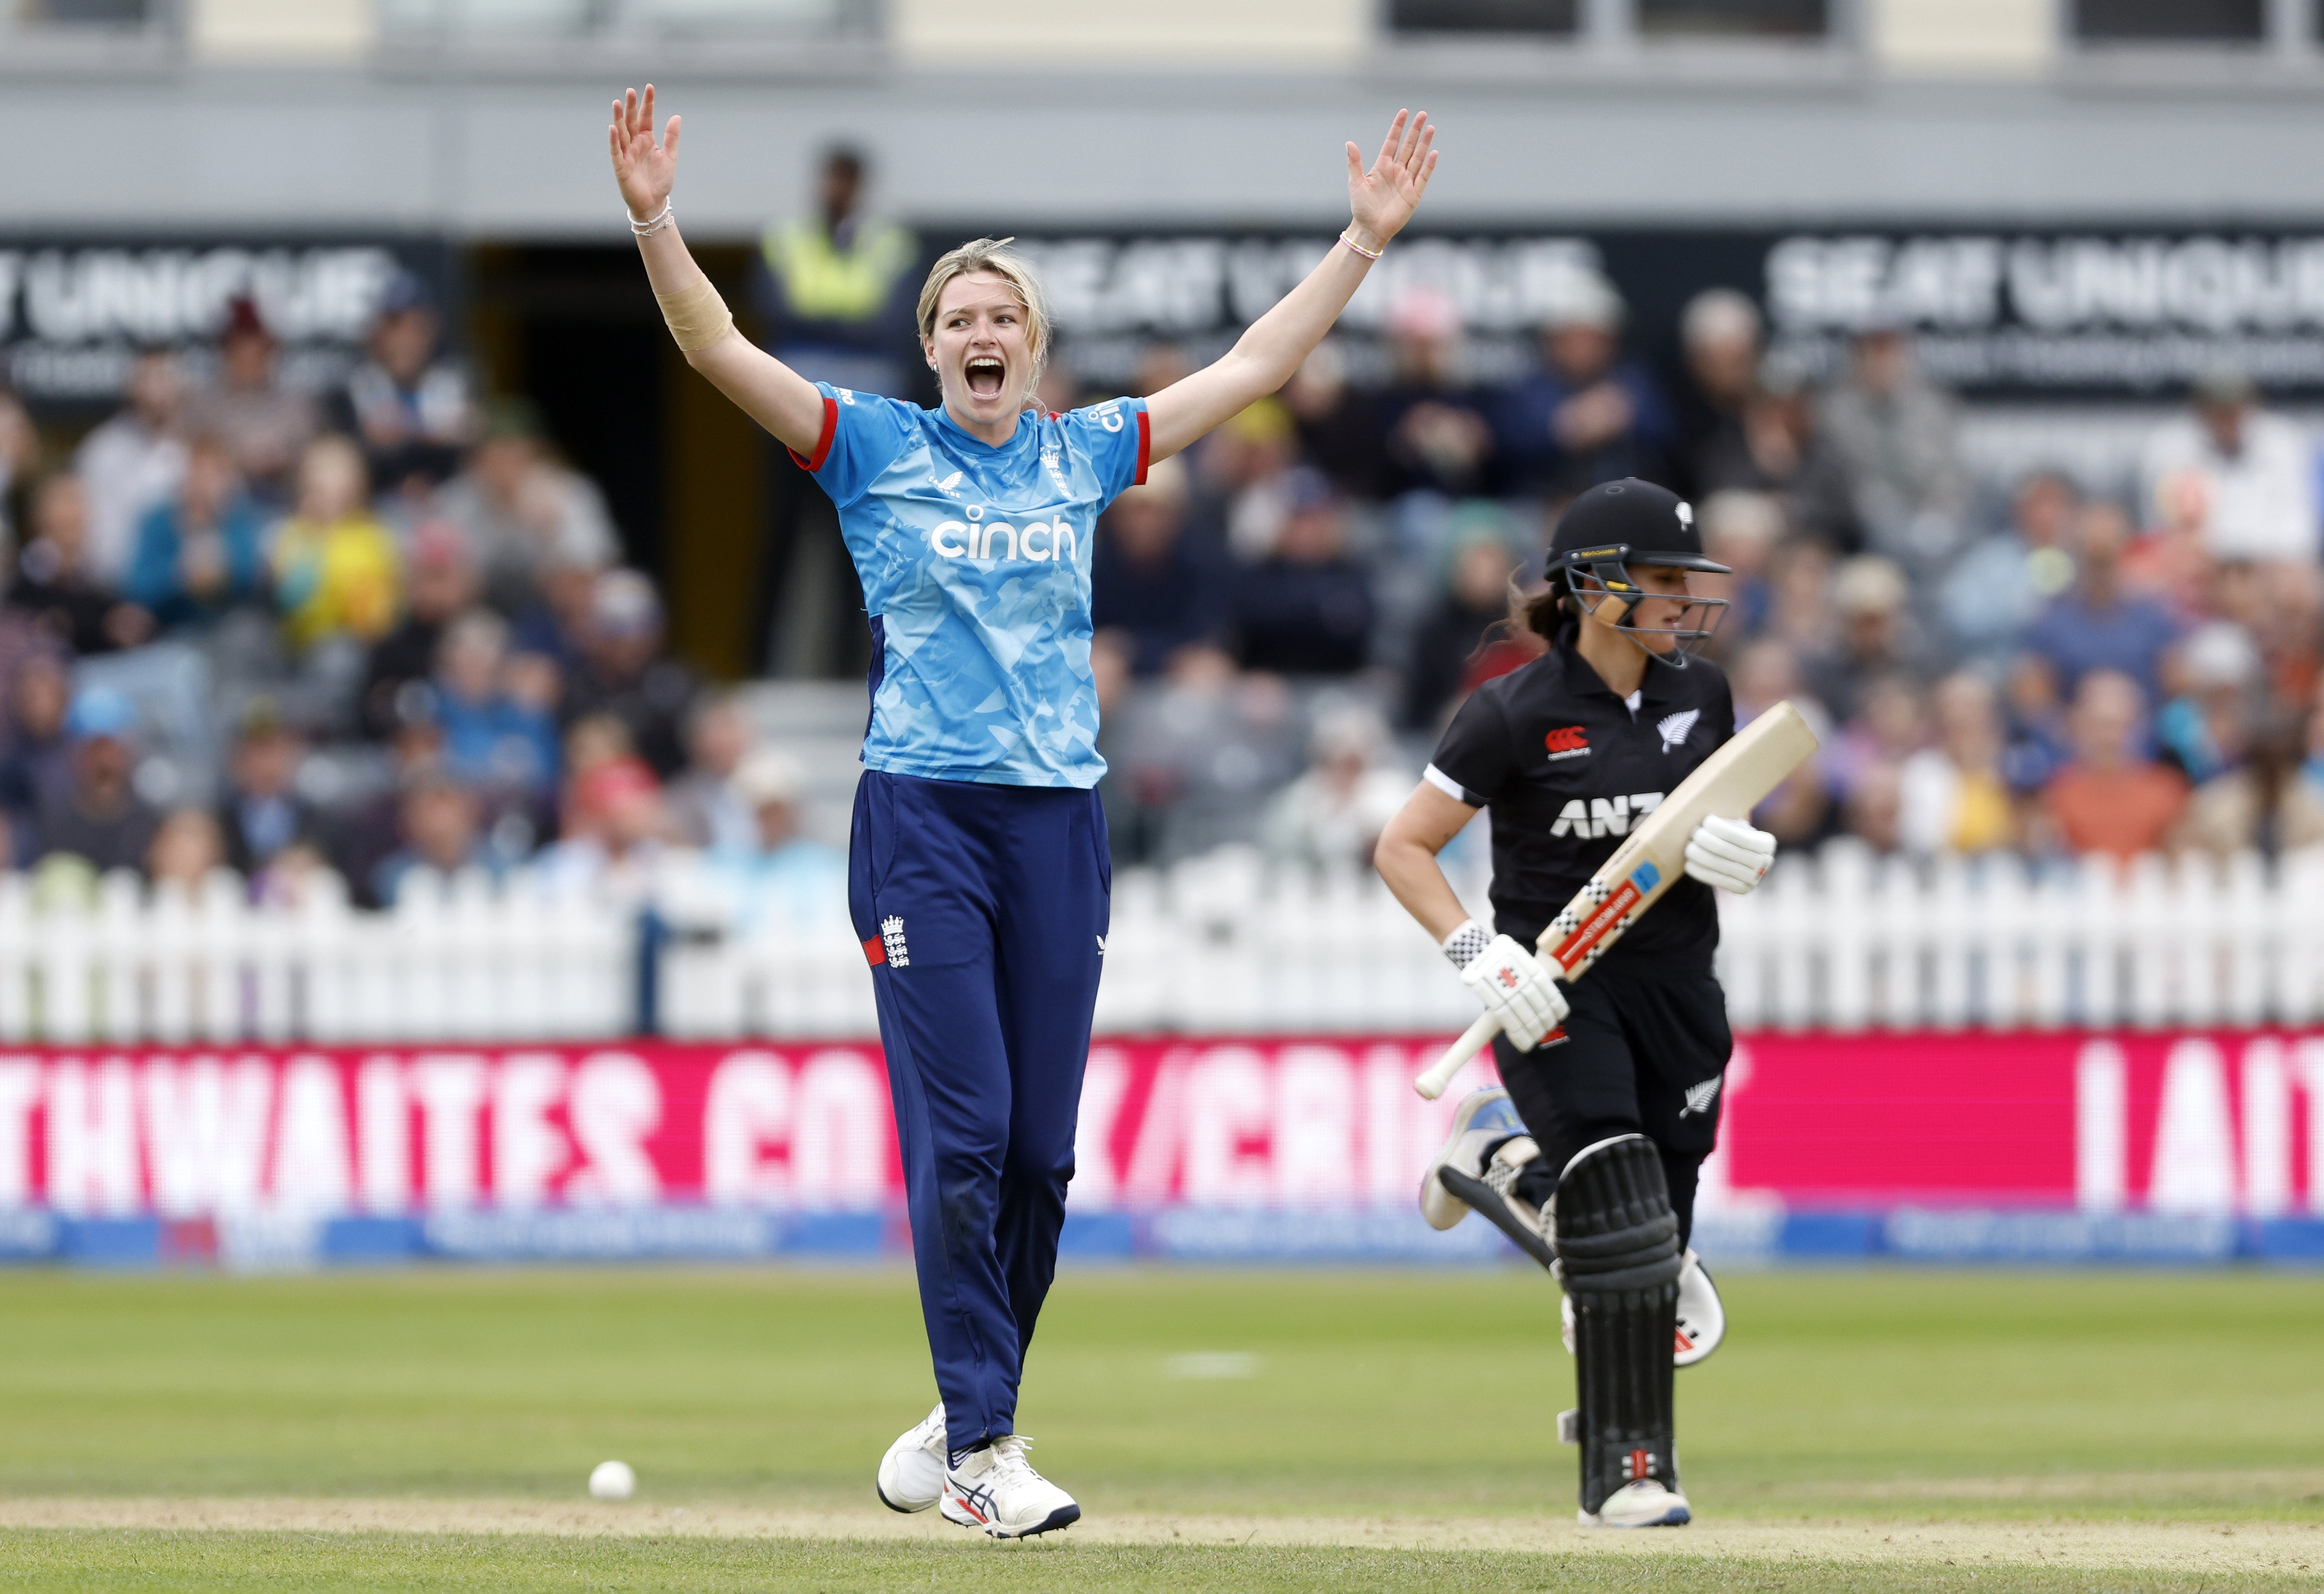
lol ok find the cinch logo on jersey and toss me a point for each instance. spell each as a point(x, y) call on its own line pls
point(1585, 818)
point(1566, 741)
point(1036, 540)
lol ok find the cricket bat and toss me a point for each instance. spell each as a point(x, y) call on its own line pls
point(1730, 783)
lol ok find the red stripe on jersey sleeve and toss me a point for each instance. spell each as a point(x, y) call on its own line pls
point(875, 952)
point(1145, 446)
point(823, 443)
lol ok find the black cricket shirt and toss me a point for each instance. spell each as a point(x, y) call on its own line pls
point(1564, 767)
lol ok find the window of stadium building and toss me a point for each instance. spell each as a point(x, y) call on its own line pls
point(584, 16)
point(1757, 19)
point(2170, 22)
point(1556, 18)
point(81, 14)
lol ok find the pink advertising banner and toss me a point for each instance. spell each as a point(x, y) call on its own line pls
point(2209, 1123)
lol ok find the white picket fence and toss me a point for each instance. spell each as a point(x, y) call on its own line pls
point(458, 959)
point(1223, 944)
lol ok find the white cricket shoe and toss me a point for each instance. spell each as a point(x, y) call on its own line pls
point(996, 1489)
point(1702, 1316)
point(1646, 1503)
point(1483, 1119)
point(912, 1472)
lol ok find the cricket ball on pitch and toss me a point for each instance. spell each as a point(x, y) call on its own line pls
point(612, 1480)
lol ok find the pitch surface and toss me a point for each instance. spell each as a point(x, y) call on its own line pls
point(1254, 1429)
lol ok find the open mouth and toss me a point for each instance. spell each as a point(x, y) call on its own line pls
point(984, 374)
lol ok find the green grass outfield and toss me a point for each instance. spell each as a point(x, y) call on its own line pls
point(1860, 1430)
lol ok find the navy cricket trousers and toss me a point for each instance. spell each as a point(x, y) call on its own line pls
point(983, 911)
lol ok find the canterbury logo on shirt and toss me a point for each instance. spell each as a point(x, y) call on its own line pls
point(1586, 818)
point(1036, 541)
point(1566, 741)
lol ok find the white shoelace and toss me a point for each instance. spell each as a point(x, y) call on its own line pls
point(1009, 1456)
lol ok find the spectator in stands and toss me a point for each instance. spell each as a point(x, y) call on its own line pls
point(1953, 797)
point(36, 755)
point(2004, 580)
point(438, 823)
point(133, 462)
point(706, 805)
point(266, 425)
point(1765, 673)
point(2111, 798)
point(1338, 424)
point(556, 625)
point(365, 831)
point(523, 510)
point(493, 738)
point(1448, 649)
point(1332, 815)
point(2171, 561)
point(1150, 579)
point(2205, 728)
point(337, 574)
point(1898, 436)
point(1720, 334)
point(2035, 745)
point(2258, 470)
point(1874, 811)
point(54, 585)
point(2265, 803)
point(775, 874)
point(20, 445)
point(408, 407)
point(99, 818)
point(443, 584)
point(1588, 415)
point(1199, 752)
point(262, 812)
point(1243, 480)
point(200, 551)
point(185, 852)
point(1889, 725)
point(1307, 609)
point(1876, 634)
point(623, 673)
point(1440, 438)
point(1779, 451)
point(616, 835)
point(2095, 623)
point(1741, 531)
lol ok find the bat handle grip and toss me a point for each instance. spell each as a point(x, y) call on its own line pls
point(1473, 1040)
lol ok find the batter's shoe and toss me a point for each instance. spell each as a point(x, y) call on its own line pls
point(912, 1472)
point(1482, 1121)
point(1491, 1191)
point(1644, 1504)
point(996, 1489)
point(1702, 1317)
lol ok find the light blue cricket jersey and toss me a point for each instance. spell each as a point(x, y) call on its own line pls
point(975, 564)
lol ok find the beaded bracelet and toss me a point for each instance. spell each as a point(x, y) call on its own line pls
point(1360, 249)
point(645, 228)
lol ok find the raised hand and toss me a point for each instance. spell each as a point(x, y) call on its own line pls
point(1384, 198)
point(645, 169)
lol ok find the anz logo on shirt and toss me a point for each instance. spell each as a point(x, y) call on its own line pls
point(1586, 818)
point(977, 538)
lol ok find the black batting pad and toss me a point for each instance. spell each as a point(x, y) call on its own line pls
point(1618, 1253)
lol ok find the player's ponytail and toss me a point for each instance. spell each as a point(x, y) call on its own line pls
point(1544, 610)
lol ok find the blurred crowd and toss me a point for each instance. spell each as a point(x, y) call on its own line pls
point(381, 627)
point(2047, 666)
point(388, 626)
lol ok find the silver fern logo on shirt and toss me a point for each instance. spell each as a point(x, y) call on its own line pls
point(1699, 1098)
point(1675, 727)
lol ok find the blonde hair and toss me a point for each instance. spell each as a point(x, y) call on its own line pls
point(993, 255)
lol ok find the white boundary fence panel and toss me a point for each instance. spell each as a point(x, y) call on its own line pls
point(1221, 945)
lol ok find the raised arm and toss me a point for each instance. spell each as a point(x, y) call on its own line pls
point(769, 391)
point(1262, 360)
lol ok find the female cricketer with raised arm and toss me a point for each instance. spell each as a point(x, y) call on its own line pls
point(979, 879)
point(1615, 1079)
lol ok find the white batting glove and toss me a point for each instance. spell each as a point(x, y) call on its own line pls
point(1730, 853)
point(1514, 987)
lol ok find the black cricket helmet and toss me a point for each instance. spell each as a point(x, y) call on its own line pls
point(1616, 526)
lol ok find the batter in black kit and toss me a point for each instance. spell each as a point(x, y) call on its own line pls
point(1589, 1155)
